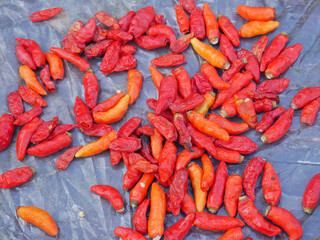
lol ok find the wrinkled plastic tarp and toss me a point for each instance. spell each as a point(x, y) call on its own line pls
point(64, 194)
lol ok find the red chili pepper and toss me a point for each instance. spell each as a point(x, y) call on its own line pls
point(215, 196)
point(240, 144)
point(181, 44)
point(212, 222)
point(100, 34)
point(115, 157)
point(187, 205)
point(110, 193)
point(163, 184)
point(189, 103)
point(130, 178)
point(45, 79)
point(180, 122)
point(15, 104)
point(163, 30)
point(44, 130)
point(60, 129)
point(107, 20)
point(268, 119)
point(183, 80)
point(256, 13)
point(273, 50)
point(82, 114)
point(16, 177)
point(182, 19)
point(75, 59)
point(229, 30)
point(180, 229)
point(186, 156)
point(69, 42)
point(140, 190)
point(56, 65)
point(6, 130)
point(66, 158)
point(247, 112)
point(228, 156)
point(141, 21)
point(254, 218)
point(208, 173)
point(232, 193)
point(139, 219)
point(111, 58)
point(128, 234)
point(256, 96)
point(151, 42)
point(236, 66)
point(25, 57)
point(271, 185)
point(159, 19)
point(188, 5)
point(167, 161)
point(91, 89)
point(197, 24)
point(230, 127)
point(127, 50)
point(27, 116)
point(109, 103)
point(311, 194)
point(31, 97)
point(167, 93)
point(259, 47)
point(44, 15)
point(126, 144)
point(170, 60)
point(213, 76)
point(152, 103)
point(309, 112)
point(202, 83)
point(134, 84)
point(145, 130)
point(146, 149)
point(286, 220)
point(252, 65)
point(145, 166)
point(227, 48)
point(305, 96)
point(264, 105)
point(169, 203)
point(34, 49)
point(125, 21)
point(119, 35)
point(97, 49)
point(97, 130)
point(164, 126)
point(129, 127)
point(125, 63)
point(275, 86)
point(212, 26)
point(233, 234)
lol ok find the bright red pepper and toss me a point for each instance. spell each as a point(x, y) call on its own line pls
point(212, 26)
point(125, 63)
point(6, 130)
point(231, 127)
point(240, 144)
point(189, 103)
point(180, 122)
point(186, 156)
point(44, 15)
point(115, 157)
point(236, 66)
point(259, 47)
point(126, 144)
point(97, 49)
point(16, 177)
point(100, 34)
point(140, 190)
point(233, 234)
point(139, 219)
point(44, 130)
point(202, 83)
point(197, 24)
point(227, 48)
point(119, 35)
point(167, 161)
point(125, 21)
point(141, 21)
point(25, 57)
point(31, 97)
point(268, 119)
point(34, 49)
point(56, 65)
point(180, 229)
point(69, 42)
point(145, 130)
point(152, 103)
point(229, 30)
point(129, 127)
point(182, 19)
point(264, 105)
point(213, 76)
point(130, 178)
point(15, 104)
point(309, 112)
point(128, 234)
point(159, 19)
point(82, 114)
point(256, 96)
point(109, 103)
point(107, 20)
point(27, 116)
point(111, 58)
point(127, 50)
point(60, 129)
point(271, 185)
point(151, 42)
point(311, 194)
point(164, 126)
point(252, 65)
point(45, 79)
point(228, 156)
point(275, 86)
point(208, 173)
point(247, 112)
point(187, 205)
point(91, 89)
point(177, 189)
point(145, 166)
point(233, 191)
point(66, 158)
point(162, 30)
point(170, 60)
point(167, 93)
point(183, 80)
point(188, 5)
point(305, 96)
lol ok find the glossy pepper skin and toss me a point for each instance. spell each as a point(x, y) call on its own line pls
point(65, 159)
point(128, 234)
point(167, 161)
point(25, 57)
point(309, 112)
point(186, 156)
point(27, 116)
point(16, 177)
point(259, 47)
point(183, 80)
point(196, 174)
point(140, 190)
point(109, 103)
point(182, 19)
point(271, 184)
point(232, 193)
point(255, 28)
point(305, 96)
point(164, 126)
point(197, 23)
point(268, 119)
point(38, 217)
point(254, 218)
point(233, 234)
point(134, 84)
point(82, 114)
point(6, 130)
point(286, 220)
point(180, 229)
point(34, 49)
point(247, 112)
point(163, 30)
point(31, 79)
point(231, 127)
point(229, 30)
point(311, 194)
point(56, 65)
point(215, 197)
point(236, 66)
point(15, 104)
point(44, 15)
point(180, 122)
point(91, 89)
point(213, 76)
point(212, 26)
point(125, 21)
point(139, 220)
point(44, 130)
point(141, 21)
point(240, 144)
point(275, 86)
point(256, 13)
point(45, 79)
point(227, 48)
point(112, 194)
point(252, 64)
point(208, 173)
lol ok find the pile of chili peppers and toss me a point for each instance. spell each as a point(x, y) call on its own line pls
point(149, 152)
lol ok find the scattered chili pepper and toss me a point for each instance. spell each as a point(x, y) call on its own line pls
point(15, 104)
point(151, 42)
point(255, 28)
point(208, 173)
point(183, 80)
point(194, 87)
point(31, 97)
point(264, 105)
point(233, 234)
point(305, 96)
point(139, 219)
point(130, 178)
point(164, 126)
point(141, 21)
point(34, 49)
point(186, 156)
point(180, 229)
point(126, 144)
point(115, 157)
point(236, 66)
point(69, 42)
point(156, 143)
point(309, 112)
point(196, 174)
point(202, 83)
point(82, 114)
point(233, 191)
point(111, 58)
point(210, 54)
point(27, 116)
point(25, 57)
point(59, 129)
point(158, 20)
point(212, 26)
point(268, 119)
point(140, 190)
point(125, 21)
point(167, 161)
point(256, 96)
point(107, 20)
point(145, 166)
point(6, 130)
point(227, 48)
point(271, 185)
point(256, 13)
point(97, 49)
point(44, 15)
point(109, 103)
point(125, 63)
point(213, 76)
point(247, 112)
point(188, 5)
point(182, 19)
point(127, 50)
point(189, 103)
point(167, 93)
point(228, 156)
point(45, 79)
point(127, 234)
point(170, 60)
point(259, 47)
point(240, 144)
point(231, 127)
point(129, 127)
point(274, 86)
point(119, 35)
point(156, 76)
point(100, 34)
point(252, 65)
point(187, 205)
point(311, 194)
point(38, 217)
point(66, 158)
point(162, 30)
point(91, 89)
point(31, 79)
point(197, 23)
point(145, 130)
point(229, 30)
point(56, 65)
point(16, 177)
point(152, 103)
point(180, 123)
point(254, 218)
point(203, 108)
point(44, 130)
point(134, 84)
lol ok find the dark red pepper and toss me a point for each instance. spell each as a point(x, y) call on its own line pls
point(139, 219)
point(44, 130)
point(259, 47)
point(229, 30)
point(180, 122)
point(256, 96)
point(119, 35)
point(163, 30)
point(69, 42)
point(129, 127)
point(91, 89)
point(236, 66)
point(44, 15)
point(126, 144)
point(152, 103)
point(180, 229)
point(97, 49)
point(34, 49)
point(130, 178)
point(27, 116)
point(170, 60)
point(45, 79)
point(111, 58)
point(107, 20)
point(202, 83)
point(125, 21)
point(65, 159)
point(164, 126)
point(188, 5)
point(141, 21)
point(181, 44)
point(6, 130)
point(227, 48)
point(146, 149)
point(25, 57)
point(31, 97)
point(167, 93)
point(183, 80)
point(252, 65)
point(15, 104)
point(16, 177)
point(197, 24)
point(240, 144)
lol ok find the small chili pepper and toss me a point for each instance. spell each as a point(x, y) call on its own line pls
point(305, 96)
point(75, 59)
point(212, 26)
point(145, 166)
point(27, 116)
point(233, 234)
point(212, 222)
point(98, 146)
point(311, 194)
point(45, 79)
point(130, 178)
point(167, 93)
point(112, 194)
point(256, 13)
point(38, 217)
point(125, 63)
point(15, 104)
point(129, 127)
point(59, 129)
point(229, 30)
point(188, 5)
point(151, 42)
point(69, 42)
point(255, 28)
point(181, 44)
point(140, 190)
point(16, 177)
point(256, 96)
point(111, 58)
point(183, 80)
point(31, 97)
point(251, 215)
point(233, 191)
point(208, 173)
point(271, 184)
point(152, 103)
point(56, 65)
point(186, 156)
point(187, 205)
point(231, 127)
point(159, 19)
point(264, 105)
point(162, 30)
point(236, 66)
point(25, 57)
point(91, 89)
point(119, 35)
point(196, 174)
point(167, 161)
point(125, 21)
point(128, 234)
point(6, 130)
point(268, 119)
point(228, 156)
point(274, 86)
point(240, 144)
point(107, 20)
point(146, 149)
point(197, 23)
point(44, 15)
point(203, 108)
point(109, 103)
point(156, 76)
point(202, 83)
point(157, 212)
point(115, 157)
point(145, 130)
point(180, 229)
point(170, 60)
point(182, 19)
point(252, 65)
point(34, 49)
point(139, 219)
point(156, 143)
point(44, 130)
point(31, 79)
point(213, 76)
point(164, 126)
point(279, 128)
point(215, 196)
point(126, 144)
point(210, 54)
point(259, 47)
point(82, 114)
point(247, 112)
point(127, 50)
point(100, 34)
point(309, 112)
point(97, 49)
point(180, 123)
point(189, 103)
point(141, 21)
point(66, 158)
point(134, 84)
point(227, 48)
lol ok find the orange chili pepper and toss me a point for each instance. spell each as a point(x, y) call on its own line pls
point(206, 126)
point(186, 156)
point(196, 173)
point(156, 76)
point(233, 234)
point(212, 26)
point(109, 103)
point(38, 217)
point(232, 193)
point(114, 114)
point(157, 212)
point(213, 56)
point(208, 173)
point(256, 13)
point(98, 146)
point(255, 28)
point(134, 84)
point(31, 79)
point(230, 127)
point(213, 77)
point(203, 108)
point(156, 143)
point(247, 112)
point(140, 190)
point(56, 65)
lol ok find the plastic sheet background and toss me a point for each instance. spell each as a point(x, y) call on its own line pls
point(64, 194)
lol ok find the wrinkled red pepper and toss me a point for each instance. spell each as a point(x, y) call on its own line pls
point(268, 119)
point(100, 34)
point(167, 93)
point(119, 35)
point(240, 144)
point(180, 122)
point(139, 219)
point(125, 21)
point(202, 83)
point(126, 144)
point(27, 116)
point(97, 49)
point(128, 234)
point(91, 89)
point(170, 60)
point(305, 96)
point(227, 48)
point(25, 57)
point(229, 30)
point(31, 97)
point(45, 79)
point(271, 184)
point(6, 130)
point(82, 114)
point(129, 127)
point(275, 86)
point(34, 49)
point(252, 65)
point(44, 130)
point(189, 103)
point(167, 161)
point(188, 5)
point(16, 177)
point(44, 15)
point(177, 189)
point(181, 44)
point(259, 47)
point(180, 229)
point(197, 24)
point(183, 80)
point(247, 112)
point(162, 30)
point(111, 58)
point(264, 105)
point(141, 21)
point(236, 66)
point(107, 20)
point(65, 159)
point(60, 129)
point(15, 104)
point(182, 19)
point(309, 112)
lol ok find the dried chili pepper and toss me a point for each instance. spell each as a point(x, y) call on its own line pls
point(188, 5)
point(231, 127)
point(259, 47)
point(109, 103)
point(240, 144)
point(44, 130)
point(170, 60)
point(45, 79)
point(134, 84)
point(38, 217)
point(15, 104)
point(254, 218)
point(56, 65)
point(203, 108)
point(164, 126)
point(152, 103)
point(156, 143)
point(127, 50)
point(44, 15)
point(156, 76)
point(27, 116)
point(140, 190)
point(271, 184)
point(16, 177)
point(305, 96)
point(141, 21)
point(202, 83)
point(268, 119)
point(100, 34)
point(59, 129)
point(274, 86)
point(69, 42)
point(247, 112)
point(236, 66)
point(125, 21)
point(182, 19)
point(6, 130)
point(127, 234)
point(82, 114)
point(31, 79)
point(126, 144)
point(145, 130)
point(119, 35)
point(97, 49)
point(107, 20)
point(159, 19)
point(228, 156)
point(181, 44)
point(183, 80)
point(255, 28)
point(213, 76)
point(233, 234)
point(187, 205)
point(34, 49)
point(180, 123)
point(212, 26)
point(264, 105)
point(189, 103)
point(309, 112)
point(256, 96)
point(139, 219)
point(145, 166)
point(112, 194)
point(167, 161)
point(167, 93)
point(31, 97)
point(197, 23)
point(129, 127)
point(186, 156)
point(25, 57)
point(233, 191)
point(151, 42)
point(126, 62)
point(111, 58)
point(311, 194)
point(66, 158)
point(208, 173)
point(227, 48)
point(229, 30)
point(252, 65)
point(130, 178)
point(91, 89)
point(162, 30)
point(115, 157)
point(196, 174)
point(180, 229)
point(256, 13)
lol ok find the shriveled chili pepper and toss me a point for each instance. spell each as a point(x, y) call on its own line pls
point(31, 97)
point(197, 23)
point(159, 19)
point(44, 15)
point(227, 48)
point(31, 79)
point(6, 130)
point(152, 103)
point(162, 30)
point(268, 119)
point(125, 63)
point(311, 194)
point(188, 5)
point(183, 80)
point(151, 42)
point(25, 57)
point(111, 58)
point(256, 13)
point(279, 128)
point(115, 157)
point(182, 19)
point(34, 49)
point(109, 103)
point(228, 156)
point(189, 103)
point(97, 49)
point(126, 144)
point(202, 83)
point(236, 66)
point(274, 86)
point(264, 105)
point(128, 234)
point(129, 127)
point(233, 191)
point(145, 166)
point(75, 59)
point(56, 65)
point(305, 96)
point(27, 116)
point(145, 130)
point(38, 217)
point(157, 212)
point(16, 177)
point(233, 234)
point(125, 21)
point(212, 222)
point(240, 144)
point(141, 21)
point(256, 96)
point(196, 174)
point(167, 93)
point(255, 28)
point(139, 219)
point(187, 205)
point(82, 114)
point(271, 184)
point(69, 42)
point(208, 173)
point(210, 54)
point(231, 127)
point(44, 130)
point(134, 84)
point(45, 79)
point(259, 47)
point(309, 112)
point(186, 156)
point(91, 89)
point(107, 20)
point(229, 30)
point(140, 190)
point(15, 104)
point(164, 126)
point(100, 34)
point(110, 193)
point(170, 60)
point(119, 35)
point(130, 178)
point(59, 129)
point(213, 76)
point(180, 229)
point(252, 64)
point(215, 196)
point(127, 50)
point(251, 215)
point(212, 26)
point(167, 161)
point(181, 44)
point(180, 122)
point(66, 158)
point(156, 76)
point(247, 112)
point(156, 143)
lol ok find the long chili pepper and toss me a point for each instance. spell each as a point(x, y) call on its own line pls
point(305, 96)
point(170, 60)
point(91, 89)
point(82, 114)
point(231, 127)
point(156, 76)
point(212, 26)
point(140, 190)
point(229, 30)
point(15, 104)
point(202, 83)
point(167, 93)
point(129, 127)
point(187, 205)
point(256, 13)
point(163, 30)
point(45, 79)
point(126, 144)
point(144, 130)
point(183, 80)
point(44, 130)
point(25, 57)
point(233, 191)
point(16, 177)
point(275, 86)
point(119, 35)
point(256, 96)
point(255, 28)
point(215, 196)
point(151, 42)
point(186, 156)
point(240, 144)
point(157, 212)
point(107, 20)
point(6, 130)
point(180, 229)
point(66, 158)
point(69, 42)
point(111, 58)
point(213, 222)
point(311, 194)
point(128, 234)
point(38, 217)
point(247, 112)
point(180, 122)
point(141, 21)
point(125, 21)
point(115, 157)
point(56, 65)
point(30, 96)
point(259, 47)
point(196, 173)
point(164, 126)
point(59, 129)
point(97, 49)
point(228, 156)
point(264, 105)
point(233, 234)
point(182, 19)
point(252, 65)
point(27, 116)
point(279, 128)
point(130, 178)
point(227, 48)
point(109, 103)
point(100, 34)
point(134, 84)
point(98, 146)
point(268, 119)
point(210, 54)
point(156, 143)
point(271, 184)
point(167, 161)
point(35, 50)
point(236, 66)
point(31, 79)
point(139, 219)
point(44, 15)
point(254, 218)
point(197, 23)
point(203, 108)
point(213, 76)
point(208, 173)
point(309, 112)
point(189, 103)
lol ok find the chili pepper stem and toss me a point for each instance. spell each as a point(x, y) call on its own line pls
point(264, 139)
point(156, 238)
point(308, 210)
point(294, 106)
point(241, 159)
point(89, 70)
point(32, 169)
point(269, 75)
point(267, 211)
point(121, 211)
point(214, 41)
point(274, 104)
point(212, 210)
point(133, 203)
point(223, 113)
